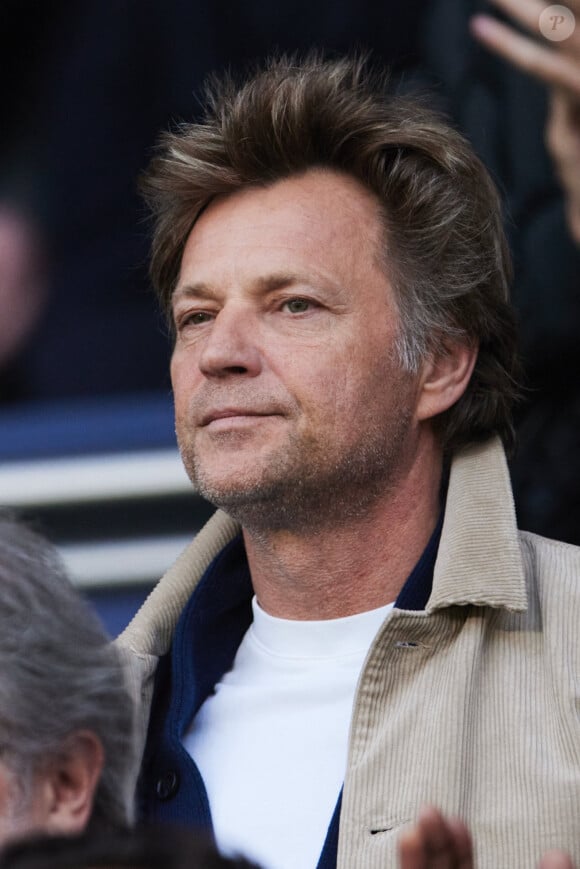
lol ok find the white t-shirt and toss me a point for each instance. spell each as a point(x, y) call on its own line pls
point(271, 742)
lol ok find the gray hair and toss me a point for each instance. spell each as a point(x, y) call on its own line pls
point(445, 249)
point(59, 673)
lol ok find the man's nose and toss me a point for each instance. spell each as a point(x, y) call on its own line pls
point(230, 346)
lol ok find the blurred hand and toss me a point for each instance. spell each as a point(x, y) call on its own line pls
point(436, 842)
point(557, 64)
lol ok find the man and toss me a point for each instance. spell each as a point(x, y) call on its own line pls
point(359, 630)
point(67, 755)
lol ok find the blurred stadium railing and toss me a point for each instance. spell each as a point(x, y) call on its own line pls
point(104, 481)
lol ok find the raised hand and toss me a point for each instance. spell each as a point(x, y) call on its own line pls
point(554, 61)
point(436, 842)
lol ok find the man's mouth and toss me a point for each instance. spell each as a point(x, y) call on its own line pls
point(233, 413)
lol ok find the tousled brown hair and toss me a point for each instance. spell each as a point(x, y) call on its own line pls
point(445, 251)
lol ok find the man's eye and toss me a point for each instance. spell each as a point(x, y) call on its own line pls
point(297, 306)
point(195, 318)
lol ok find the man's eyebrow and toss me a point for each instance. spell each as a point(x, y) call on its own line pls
point(278, 280)
point(199, 290)
point(265, 284)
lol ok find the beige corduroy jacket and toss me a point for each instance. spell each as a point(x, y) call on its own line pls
point(472, 704)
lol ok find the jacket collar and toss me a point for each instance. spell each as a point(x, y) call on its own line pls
point(479, 560)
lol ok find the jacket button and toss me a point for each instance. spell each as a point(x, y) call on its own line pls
point(167, 785)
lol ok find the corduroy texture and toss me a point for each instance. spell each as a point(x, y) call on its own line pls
point(148, 636)
point(472, 705)
point(474, 709)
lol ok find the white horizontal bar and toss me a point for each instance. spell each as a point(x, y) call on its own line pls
point(123, 562)
point(95, 478)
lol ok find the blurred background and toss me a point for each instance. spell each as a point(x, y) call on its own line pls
point(87, 448)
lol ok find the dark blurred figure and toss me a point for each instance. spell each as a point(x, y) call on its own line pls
point(142, 848)
point(503, 111)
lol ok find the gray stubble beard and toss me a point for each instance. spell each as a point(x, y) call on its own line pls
point(296, 497)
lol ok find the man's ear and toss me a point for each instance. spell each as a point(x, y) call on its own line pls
point(71, 783)
point(444, 378)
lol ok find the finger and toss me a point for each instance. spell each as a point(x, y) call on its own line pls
point(514, 8)
point(411, 851)
point(528, 13)
point(563, 142)
point(556, 860)
point(525, 12)
point(438, 840)
point(462, 843)
point(563, 129)
point(427, 844)
point(551, 67)
point(435, 830)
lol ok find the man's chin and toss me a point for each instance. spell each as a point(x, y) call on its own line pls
point(230, 493)
point(253, 506)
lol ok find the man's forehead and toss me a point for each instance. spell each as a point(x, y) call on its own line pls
point(318, 194)
point(320, 215)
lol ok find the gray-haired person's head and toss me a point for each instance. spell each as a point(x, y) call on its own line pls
point(59, 675)
point(445, 251)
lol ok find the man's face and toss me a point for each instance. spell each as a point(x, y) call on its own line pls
point(291, 407)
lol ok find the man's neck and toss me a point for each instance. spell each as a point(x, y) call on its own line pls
point(361, 565)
